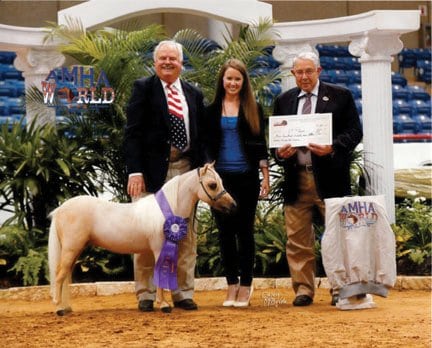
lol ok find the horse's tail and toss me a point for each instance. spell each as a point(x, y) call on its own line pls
point(54, 249)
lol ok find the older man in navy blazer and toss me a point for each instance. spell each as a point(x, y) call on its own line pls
point(152, 158)
point(315, 172)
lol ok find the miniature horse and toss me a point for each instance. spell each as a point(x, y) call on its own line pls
point(124, 228)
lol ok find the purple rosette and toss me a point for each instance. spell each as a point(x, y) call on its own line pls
point(175, 228)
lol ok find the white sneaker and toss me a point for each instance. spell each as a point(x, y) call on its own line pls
point(354, 302)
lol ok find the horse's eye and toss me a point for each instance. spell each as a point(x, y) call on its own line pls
point(212, 186)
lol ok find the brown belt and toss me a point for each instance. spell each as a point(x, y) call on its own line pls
point(176, 154)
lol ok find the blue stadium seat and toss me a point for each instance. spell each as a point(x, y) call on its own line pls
point(420, 107)
point(350, 63)
point(325, 76)
point(260, 71)
point(16, 106)
point(404, 124)
point(423, 70)
point(355, 89)
point(7, 57)
point(400, 92)
point(354, 76)
point(12, 75)
point(418, 92)
point(407, 59)
point(18, 84)
point(4, 108)
point(6, 120)
point(327, 50)
point(328, 63)
point(424, 123)
point(7, 89)
point(339, 76)
point(333, 50)
point(422, 53)
point(359, 105)
point(342, 51)
point(400, 106)
point(267, 61)
point(398, 79)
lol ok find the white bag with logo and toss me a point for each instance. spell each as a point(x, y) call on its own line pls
point(358, 250)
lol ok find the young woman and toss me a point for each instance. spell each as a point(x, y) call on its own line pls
point(237, 143)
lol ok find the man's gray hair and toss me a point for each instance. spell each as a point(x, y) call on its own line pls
point(309, 56)
point(170, 43)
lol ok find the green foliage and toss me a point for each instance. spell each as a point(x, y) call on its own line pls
point(209, 259)
point(32, 266)
point(39, 168)
point(413, 232)
point(270, 238)
point(104, 265)
point(24, 253)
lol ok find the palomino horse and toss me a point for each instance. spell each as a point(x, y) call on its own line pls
point(124, 228)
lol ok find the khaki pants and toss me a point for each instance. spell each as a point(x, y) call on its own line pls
point(301, 238)
point(144, 263)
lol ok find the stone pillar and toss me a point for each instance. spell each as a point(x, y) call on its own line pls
point(375, 53)
point(285, 54)
point(36, 63)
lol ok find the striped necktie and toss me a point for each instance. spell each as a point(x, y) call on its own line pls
point(307, 108)
point(178, 128)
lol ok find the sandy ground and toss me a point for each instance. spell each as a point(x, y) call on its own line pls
point(401, 320)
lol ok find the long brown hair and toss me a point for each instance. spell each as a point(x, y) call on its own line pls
point(247, 99)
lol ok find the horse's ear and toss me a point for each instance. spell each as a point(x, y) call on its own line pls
point(203, 170)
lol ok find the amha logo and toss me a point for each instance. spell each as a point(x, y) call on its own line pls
point(77, 88)
point(358, 214)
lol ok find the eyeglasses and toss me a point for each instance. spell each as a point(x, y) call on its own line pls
point(308, 72)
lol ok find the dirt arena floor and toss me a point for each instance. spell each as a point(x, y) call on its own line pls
point(401, 320)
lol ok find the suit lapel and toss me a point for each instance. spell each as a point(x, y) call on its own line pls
point(323, 99)
point(160, 99)
point(293, 103)
point(188, 96)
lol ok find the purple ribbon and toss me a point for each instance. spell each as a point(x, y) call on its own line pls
point(175, 229)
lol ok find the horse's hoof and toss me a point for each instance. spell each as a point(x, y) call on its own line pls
point(166, 309)
point(64, 311)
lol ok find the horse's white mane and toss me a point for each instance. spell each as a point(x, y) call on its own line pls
point(170, 188)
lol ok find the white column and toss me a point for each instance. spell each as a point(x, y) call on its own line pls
point(36, 63)
point(285, 54)
point(218, 30)
point(375, 53)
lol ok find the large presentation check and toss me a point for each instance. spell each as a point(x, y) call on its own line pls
point(300, 130)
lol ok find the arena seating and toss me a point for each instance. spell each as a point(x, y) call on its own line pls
point(411, 102)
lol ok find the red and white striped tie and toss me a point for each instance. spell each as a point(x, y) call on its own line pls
point(174, 102)
point(178, 128)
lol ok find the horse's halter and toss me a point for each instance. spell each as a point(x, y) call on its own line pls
point(215, 198)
